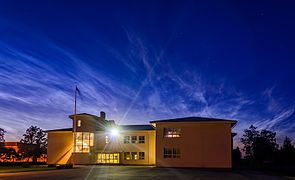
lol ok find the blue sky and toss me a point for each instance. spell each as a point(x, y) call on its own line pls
point(145, 60)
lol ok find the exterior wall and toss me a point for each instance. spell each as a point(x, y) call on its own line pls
point(116, 145)
point(59, 147)
point(203, 145)
point(88, 123)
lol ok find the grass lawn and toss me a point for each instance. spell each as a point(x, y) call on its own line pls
point(12, 169)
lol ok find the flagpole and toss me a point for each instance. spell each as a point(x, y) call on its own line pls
point(74, 124)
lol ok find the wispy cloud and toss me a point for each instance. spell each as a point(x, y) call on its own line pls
point(37, 88)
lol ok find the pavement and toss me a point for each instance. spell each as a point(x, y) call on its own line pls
point(135, 172)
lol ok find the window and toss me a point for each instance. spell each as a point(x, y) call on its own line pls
point(79, 123)
point(134, 156)
point(141, 155)
point(141, 139)
point(108, 158)
point(107, 139)
point(126, 155)
point(83, 141)
point(126, 139)
point(171, 153)
point(172, 132)
point(133, 139)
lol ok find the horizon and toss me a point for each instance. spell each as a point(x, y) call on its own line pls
point(141, 61)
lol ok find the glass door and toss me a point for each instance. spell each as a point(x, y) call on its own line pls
point(108, 158)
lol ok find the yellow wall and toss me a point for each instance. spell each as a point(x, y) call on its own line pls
point(204, 145)
point(59, 147)
point(117, 145)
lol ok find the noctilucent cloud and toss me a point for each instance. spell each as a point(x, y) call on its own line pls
point(145, 60)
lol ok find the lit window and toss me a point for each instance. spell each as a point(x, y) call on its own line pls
point(133, 139)
point(91, 139)
point(79, 123)
point(126, 139)
point(141, 139)
point(171, 153)
point(134, 156)
point(83, 141)
point(107, 140)
point(141, 155)
point(172, 132)
point(126, 155)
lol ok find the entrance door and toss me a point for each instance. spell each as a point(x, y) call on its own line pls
point(108, 158)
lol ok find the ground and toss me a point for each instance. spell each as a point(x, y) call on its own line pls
point(135, 172)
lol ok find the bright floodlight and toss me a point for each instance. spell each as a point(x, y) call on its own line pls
point(114, 132)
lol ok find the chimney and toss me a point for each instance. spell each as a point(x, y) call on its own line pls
point(102, 115)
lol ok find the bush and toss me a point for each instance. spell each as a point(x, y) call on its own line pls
point(64, 166)
point(25, 165)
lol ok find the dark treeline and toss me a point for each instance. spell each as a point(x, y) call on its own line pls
point(263, 153)
point(32, 146)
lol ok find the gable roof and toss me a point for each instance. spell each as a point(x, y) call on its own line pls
point(84, 114)
point(136, 127)
point(64, 129)
point(195, 119)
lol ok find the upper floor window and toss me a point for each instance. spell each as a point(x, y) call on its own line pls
point(141, 139)
point(79, 123)
point(133, 139)
point(172, 132)
point(171, 153)
point(126, 139)
point(83, 141)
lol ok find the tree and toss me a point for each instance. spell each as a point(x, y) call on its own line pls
point(2, 141)
point(236, 156)
point(248, 140)
point(265, 146)
point(2, 133)
point(34, 143)
point(287, 152)
point(260, 146)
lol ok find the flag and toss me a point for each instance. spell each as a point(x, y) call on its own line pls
point(77, 90)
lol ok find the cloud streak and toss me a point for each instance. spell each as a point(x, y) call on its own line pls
point(37, 88)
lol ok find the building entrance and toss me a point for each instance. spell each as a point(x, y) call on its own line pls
point(108, 158)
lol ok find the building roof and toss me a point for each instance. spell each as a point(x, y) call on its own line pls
point(64, 129)
point(84, 114)
point(122, 127)
point(195, 119)
point(10, 143)
point(136, 127)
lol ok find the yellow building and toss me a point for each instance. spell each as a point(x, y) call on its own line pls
point(182, 142)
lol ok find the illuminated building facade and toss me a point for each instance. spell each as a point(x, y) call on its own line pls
point(182, 142)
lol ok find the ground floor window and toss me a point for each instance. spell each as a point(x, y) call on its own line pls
point(108, 158)
point(171, 153)
point(127, 156)
point(141, 155)
point(133, 155)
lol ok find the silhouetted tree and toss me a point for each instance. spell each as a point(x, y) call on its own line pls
point(287, 152)
point(265, 147)
point(34, 143)
point(248, 140)
point(261, 146)
point(2, 141)
point(2, 133)
point(236, 156)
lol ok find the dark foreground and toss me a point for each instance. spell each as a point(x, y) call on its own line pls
point(135, 172)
